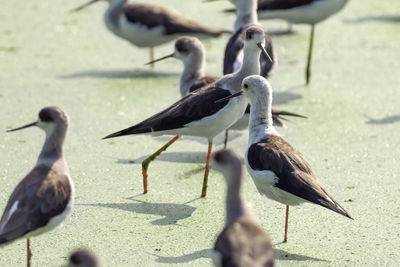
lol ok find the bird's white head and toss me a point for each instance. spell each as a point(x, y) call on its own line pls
point(254, 38)
point(50, 119)
point(256, 86)
point(188, 49)
point(53, 118)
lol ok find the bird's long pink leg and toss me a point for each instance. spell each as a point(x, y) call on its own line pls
point(204, 189)
point(286, 223)
point(146, 162)
point(28, 252)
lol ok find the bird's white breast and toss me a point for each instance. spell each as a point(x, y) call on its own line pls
point(242, 123)
point(212, 125)
point(265, 181)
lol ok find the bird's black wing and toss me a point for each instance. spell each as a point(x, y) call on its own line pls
point(293, 171)
point(173, 22)
point(203, 81)
point(193, 107)
point(282, 4)
point(41, 195)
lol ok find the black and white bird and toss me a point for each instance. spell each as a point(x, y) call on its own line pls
point(278, 170)
point(197, 114)
point(308, 12)
point(43, 199)
point(246, 15)
point(148, 25)
point(83, 258)
point(242, 242)
point(191, 52)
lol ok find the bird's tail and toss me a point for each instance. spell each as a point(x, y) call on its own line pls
point(136, 129)
point(332, 204)
point(3, 240)
point(229, 10)
point(277, 116)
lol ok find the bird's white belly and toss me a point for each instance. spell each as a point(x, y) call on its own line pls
point(140, 35)
point(242, 123)
point(212, 125)
point(309, 14)
point(265, 184)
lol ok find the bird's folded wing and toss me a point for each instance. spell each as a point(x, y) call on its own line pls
point(244, 244)
point(279, 4)
point(41, 195)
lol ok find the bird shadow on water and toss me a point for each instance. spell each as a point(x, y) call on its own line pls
point(182, 157)
point(217, 141)
point(286, 256)
point(171, 212)
point(285, 97)
point(208, 253)
point(204, 253)
point(377, 18)
point(117, 74)
point(386, 120)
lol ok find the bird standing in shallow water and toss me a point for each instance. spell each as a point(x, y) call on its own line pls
point(43, 199)
point(192, 53)
point(197, 114)
point(147, 25)
point(242, 241)
point(246, 15)
point(308, 12)
point(278, 170)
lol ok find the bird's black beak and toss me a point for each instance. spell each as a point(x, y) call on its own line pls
point(79, 8)
point(229, 97)
point(23, 127)
point(264, 51)
point(156, 60)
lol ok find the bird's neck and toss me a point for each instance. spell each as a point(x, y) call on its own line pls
point(117, 2)
point(246, 15)
point(53, 145)
point(235, 205)
point(250, 66)
point(260, 124)
point(193, 70)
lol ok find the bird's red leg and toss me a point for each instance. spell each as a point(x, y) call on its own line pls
point(146, 162)
point(28, 252)
point(286, 223)
point(204, 189)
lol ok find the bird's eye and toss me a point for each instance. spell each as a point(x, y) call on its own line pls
point(246, 85)
point(44, 116)
point(249, 35)
point(181, 48)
